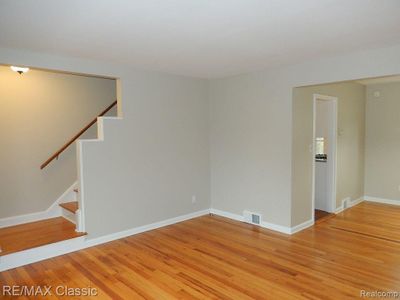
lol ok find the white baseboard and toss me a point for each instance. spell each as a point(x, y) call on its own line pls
point(382, 200)
point(22, 258)
point(357, 201)
point(226, 214)
point(301, 226)
point(140, 229)
point(366, 198)
point(338, 210)
point(29, 256)
point(276, 227)
point(267, 225)
point(53, 211)
point(350, 203)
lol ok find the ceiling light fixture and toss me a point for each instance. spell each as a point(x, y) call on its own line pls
point(19, 70)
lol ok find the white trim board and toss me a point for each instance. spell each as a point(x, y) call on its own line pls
point(339, 209)
point(53, 211)
point(29, 256)
point(22, 258)
point(80, 214)
point(302, 226)
point(350, 202)
point(382, 200)
point(365, 198)
point(267, 225)
point(144, 228)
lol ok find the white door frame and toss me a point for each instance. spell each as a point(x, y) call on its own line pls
point(332, 161)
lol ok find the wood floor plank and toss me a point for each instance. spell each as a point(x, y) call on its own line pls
point(35, 234)
point(211, 257)
point(72, 206)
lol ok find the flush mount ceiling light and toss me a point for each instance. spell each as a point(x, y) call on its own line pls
point(20, 70)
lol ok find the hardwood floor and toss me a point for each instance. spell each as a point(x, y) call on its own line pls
point(320, 215)
point(216, 258)
point(35, 234)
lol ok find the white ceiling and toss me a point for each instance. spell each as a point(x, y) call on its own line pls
point(203, 38)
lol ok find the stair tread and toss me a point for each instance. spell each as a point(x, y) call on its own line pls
point(70, 206)
point(35, 234)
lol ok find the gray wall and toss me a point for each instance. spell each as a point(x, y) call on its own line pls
point(262, 105)
point(250, 149)
point(152, 162)
point(39, 112)
point(252, 133)
point(350, 144)
point(382, 164)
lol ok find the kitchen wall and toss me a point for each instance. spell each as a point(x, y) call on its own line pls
point(382, 160)
point(256, 147)
point(350, 141)
point(40, 111)
point(324, 125)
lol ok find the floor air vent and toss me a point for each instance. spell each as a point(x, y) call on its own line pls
point(252, 218)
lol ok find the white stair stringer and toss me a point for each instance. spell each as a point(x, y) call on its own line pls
point(53, 211)
point(80, 214)
point(72, 196)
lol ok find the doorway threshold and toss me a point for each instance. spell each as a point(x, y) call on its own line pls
point(320, 215)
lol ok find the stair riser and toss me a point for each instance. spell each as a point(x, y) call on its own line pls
point(69, 216)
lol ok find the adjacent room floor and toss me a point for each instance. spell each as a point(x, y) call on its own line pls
point(35, 234)
point(215, 258)
point(320, 215)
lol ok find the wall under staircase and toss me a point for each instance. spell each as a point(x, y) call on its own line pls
point(151, 164)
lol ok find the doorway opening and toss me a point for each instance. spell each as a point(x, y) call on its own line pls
point(324, 156)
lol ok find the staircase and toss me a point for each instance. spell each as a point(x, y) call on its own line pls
point(43, 232)
point(70, 209)
point(70, 206)
point(59, 231)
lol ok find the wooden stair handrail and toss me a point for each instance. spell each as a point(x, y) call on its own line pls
point(62, 149)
